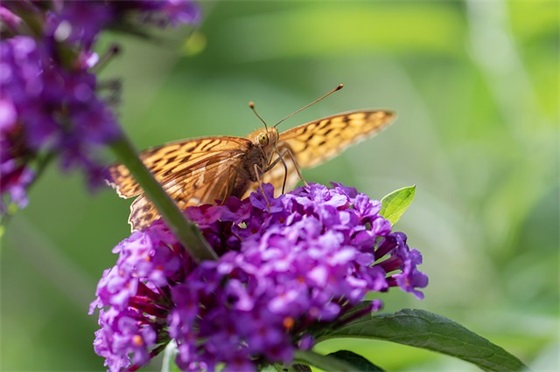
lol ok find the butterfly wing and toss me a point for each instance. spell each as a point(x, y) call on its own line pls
point(315, 142)
point(192, 172)
point(318, 141)
point(202, 170)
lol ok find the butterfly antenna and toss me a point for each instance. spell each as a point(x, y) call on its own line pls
point(339, 87)
point(252, 107)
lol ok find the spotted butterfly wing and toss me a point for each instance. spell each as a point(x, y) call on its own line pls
point(204, 170)
point(192, 172)
point(315, 142)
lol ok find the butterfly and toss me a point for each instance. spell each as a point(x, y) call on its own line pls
point(208, 169)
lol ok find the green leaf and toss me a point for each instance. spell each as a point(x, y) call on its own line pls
point(296, 367)
point(359, 362)
point(396, 203)
point(429, 331)
point(326, 363)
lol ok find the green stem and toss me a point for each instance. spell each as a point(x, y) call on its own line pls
point(324, 362)
point(186, 232)
point(42, 164)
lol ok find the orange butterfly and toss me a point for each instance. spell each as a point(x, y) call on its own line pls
point(204, 170)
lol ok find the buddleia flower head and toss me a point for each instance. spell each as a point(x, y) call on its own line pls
point(286, 266)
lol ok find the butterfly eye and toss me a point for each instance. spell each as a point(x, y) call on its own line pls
point(262, 139)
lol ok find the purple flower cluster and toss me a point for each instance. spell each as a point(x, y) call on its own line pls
point(47, 110)
point(50, 104)
point(286, 266)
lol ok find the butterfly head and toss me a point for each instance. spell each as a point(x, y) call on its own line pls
point(264, 138)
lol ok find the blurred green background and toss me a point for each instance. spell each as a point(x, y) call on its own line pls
point(476, 88)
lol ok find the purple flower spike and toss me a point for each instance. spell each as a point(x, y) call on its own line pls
point(47, 109)
point(287, 266)
point(50, 104)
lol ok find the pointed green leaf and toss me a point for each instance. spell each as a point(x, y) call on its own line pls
point(396, 203)
point(299, 368)
point(326, 363)
point(357, 361)
point(429, 331)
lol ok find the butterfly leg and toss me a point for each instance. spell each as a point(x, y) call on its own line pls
point(259, 180)
point(245, 182)
point(293, 158)
point(281, 153)
point(273, 164)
